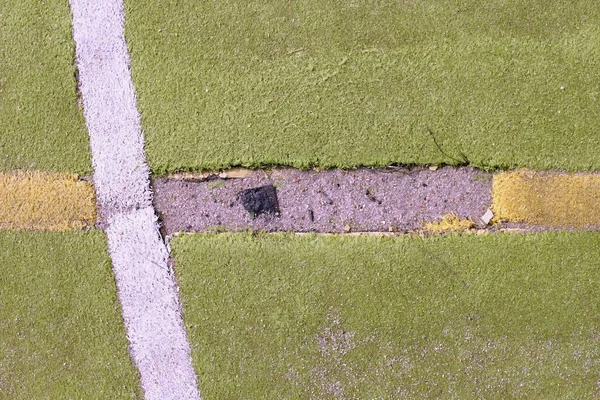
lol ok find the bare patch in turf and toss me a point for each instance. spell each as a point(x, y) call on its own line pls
point(388, 200)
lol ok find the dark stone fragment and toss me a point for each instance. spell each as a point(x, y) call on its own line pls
point(371, 197)
point(311, 215)
point(260, 200)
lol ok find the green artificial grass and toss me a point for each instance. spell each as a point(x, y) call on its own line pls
point(41, 125)
point(61, 329)
point(350, 83)
point(462, 317)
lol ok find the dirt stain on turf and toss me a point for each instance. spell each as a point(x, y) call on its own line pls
point(341, 371)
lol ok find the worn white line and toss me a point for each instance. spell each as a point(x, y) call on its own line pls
point(150, 306)
point(145, 282)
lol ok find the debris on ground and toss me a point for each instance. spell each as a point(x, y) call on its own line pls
point(487, 217)
point(260, 200)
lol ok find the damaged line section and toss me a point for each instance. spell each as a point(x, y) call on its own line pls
point(391, 200)
point(383, 200)
point(146, 286)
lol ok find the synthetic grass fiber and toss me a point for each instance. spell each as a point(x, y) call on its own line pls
point(347, 83)
point(497, 316)
point(41, 126)
point(60, 323)
point(551, 199)
point(45, 200)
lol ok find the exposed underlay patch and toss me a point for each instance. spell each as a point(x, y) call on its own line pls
point(389, 200)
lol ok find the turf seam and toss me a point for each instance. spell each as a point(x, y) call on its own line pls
point(145, 282)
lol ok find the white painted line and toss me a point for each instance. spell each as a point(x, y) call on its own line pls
point(151, 310)
point(121, 174)
point(145, 282)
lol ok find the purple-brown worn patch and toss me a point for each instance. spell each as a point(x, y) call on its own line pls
point(395, 200)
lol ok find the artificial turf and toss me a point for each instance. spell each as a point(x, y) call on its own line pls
point(61, 330)
point(41, 125)
point(497, 316)
point(347, 83)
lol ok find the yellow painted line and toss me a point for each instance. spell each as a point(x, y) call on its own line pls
point(547, 198)
point(45, 201)
point(449, 223)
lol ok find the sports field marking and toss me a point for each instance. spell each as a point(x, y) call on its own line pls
point(549, 199)
point(45, 201)
point(151, 308)
point(146, 286)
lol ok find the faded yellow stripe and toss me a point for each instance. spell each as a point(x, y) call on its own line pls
point(544, 198)
point(45, 200)
point(449, 223)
